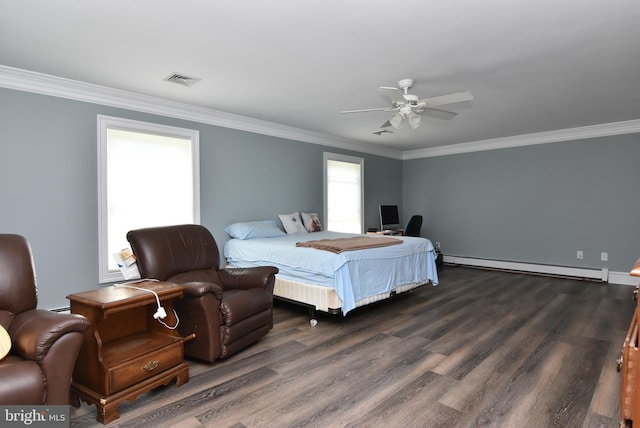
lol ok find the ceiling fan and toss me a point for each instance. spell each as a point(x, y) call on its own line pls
point(410, 107)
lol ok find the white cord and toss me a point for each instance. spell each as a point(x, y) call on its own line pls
point(160, 313)
point(169, 327)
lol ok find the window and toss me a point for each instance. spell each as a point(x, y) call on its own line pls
point(148, 175)
point(343, 193)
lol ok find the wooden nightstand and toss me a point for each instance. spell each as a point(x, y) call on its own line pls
point(126, 352)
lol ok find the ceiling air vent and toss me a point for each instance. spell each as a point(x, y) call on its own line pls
point(182, 79)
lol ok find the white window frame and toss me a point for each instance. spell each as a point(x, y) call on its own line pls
point(107, 122)
point(327, 156)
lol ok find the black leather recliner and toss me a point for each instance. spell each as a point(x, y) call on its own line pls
point(226, 309)
point(44, 344)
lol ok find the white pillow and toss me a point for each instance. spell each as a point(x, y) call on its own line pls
point(311, 222)
point(254, 229)
point(292, 223)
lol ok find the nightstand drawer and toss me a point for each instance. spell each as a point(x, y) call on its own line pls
point(144, 367)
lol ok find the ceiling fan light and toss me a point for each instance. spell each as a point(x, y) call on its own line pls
point(396, 120)
point(414, 120)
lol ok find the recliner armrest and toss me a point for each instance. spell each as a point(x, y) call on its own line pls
point(34, 332)
point(200, 288)
point(244, 278)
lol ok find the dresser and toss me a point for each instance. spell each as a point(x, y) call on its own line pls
point(128, 350)
point(628, 364)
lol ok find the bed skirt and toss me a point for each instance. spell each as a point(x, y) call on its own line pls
point(326, 299)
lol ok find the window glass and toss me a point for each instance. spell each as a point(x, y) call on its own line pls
point(148, 177)
point(343, 193)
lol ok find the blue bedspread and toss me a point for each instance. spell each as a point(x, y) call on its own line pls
point(355, 275)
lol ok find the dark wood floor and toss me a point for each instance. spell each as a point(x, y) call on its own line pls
point(484, 348)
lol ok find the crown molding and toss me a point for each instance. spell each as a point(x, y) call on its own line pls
point(29, 81)
point(601, 130)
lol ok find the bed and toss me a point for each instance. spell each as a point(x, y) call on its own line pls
point(336, 283)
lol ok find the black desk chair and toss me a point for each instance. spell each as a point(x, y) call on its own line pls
point(414, 226)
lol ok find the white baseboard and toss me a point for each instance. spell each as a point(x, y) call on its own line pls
point(603, 275)
point(623, 278)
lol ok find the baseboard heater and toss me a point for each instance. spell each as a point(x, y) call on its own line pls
point(562, 271)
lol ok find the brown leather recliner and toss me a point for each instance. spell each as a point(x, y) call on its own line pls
point(45, 344)
point(227, 309)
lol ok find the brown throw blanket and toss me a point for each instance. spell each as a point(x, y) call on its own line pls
point(347, 244)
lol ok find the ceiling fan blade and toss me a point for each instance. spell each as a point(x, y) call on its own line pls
point(367, 109)
point(456, 97)
point(386, 124)
point(437, 113)
point(395, 94)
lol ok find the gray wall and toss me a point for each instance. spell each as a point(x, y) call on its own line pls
point(48, 182)
point(533, 204)
point(536, 204)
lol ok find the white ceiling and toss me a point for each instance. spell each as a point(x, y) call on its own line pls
point(533, 65)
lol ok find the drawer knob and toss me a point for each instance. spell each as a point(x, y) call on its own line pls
point(151, 365)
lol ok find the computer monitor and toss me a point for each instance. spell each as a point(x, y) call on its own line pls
point(389, 218)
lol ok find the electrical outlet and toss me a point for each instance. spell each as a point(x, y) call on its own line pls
point(604, 257)
point(437, 245)
point(580, 254)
